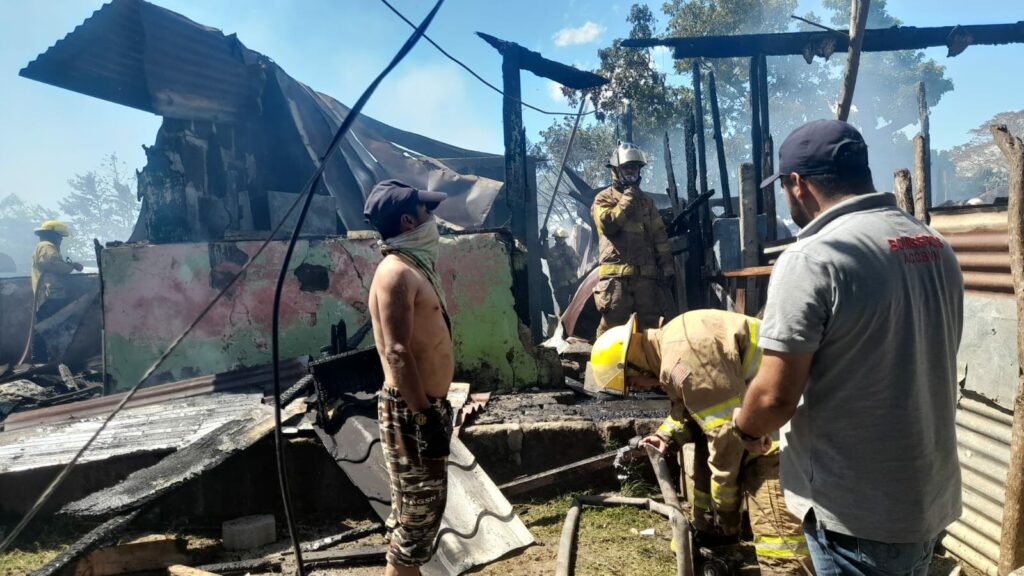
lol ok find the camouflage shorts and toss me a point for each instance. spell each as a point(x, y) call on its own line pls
point(419, 486)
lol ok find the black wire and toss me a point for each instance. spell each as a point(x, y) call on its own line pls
point(310, 186)
point(477, 76)
point(49, 491)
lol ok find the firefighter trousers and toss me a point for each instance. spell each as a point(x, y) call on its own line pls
point(617, 297)
point(778, 535)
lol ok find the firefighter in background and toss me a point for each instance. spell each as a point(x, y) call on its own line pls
point(703, 360)
point(562, 263)
point(49, 272)
point(634, 263)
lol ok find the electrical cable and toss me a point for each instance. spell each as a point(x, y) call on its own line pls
point(473, 73)
point(51, 488)
point(346, 124)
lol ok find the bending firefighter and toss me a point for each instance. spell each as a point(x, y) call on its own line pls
point(49, 271)
point(703, 360)
point(635, 265)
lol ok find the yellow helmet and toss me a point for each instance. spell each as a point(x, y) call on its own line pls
point(54, 226)
point(606, 371)
point(560, 233)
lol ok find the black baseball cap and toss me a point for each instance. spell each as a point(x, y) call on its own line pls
point(391, 198)
point(822, 147)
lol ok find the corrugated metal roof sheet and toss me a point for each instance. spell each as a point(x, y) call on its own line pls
point(137, 54)
point(168, 425)
point(983, 441)
point(259, 377)
point(141, 55)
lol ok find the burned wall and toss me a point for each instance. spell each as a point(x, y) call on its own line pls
point(152, 292)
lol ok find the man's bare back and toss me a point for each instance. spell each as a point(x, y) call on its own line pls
point(410, 333)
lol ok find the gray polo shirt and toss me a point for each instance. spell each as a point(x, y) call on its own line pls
point(877, 296)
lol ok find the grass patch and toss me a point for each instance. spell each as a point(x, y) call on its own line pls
point(606, 543)
point(41, 542)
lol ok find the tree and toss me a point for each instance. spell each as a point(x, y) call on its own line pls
point(885, 101)
point(980, 167)
point(103, 205)
point(656, 108)
point(17, 221)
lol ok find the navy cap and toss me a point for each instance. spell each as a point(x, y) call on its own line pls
point(391, 198)
point(822, 147)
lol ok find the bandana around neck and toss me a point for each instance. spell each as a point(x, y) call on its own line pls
point(419, 247)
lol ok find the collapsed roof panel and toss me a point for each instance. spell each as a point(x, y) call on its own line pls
point(143, 56)
point(238, 127)
point(162, 427)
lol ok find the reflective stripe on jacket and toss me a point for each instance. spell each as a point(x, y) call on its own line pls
point(632, 239)
point(706, 358)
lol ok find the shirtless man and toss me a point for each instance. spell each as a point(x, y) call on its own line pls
point(411, 329)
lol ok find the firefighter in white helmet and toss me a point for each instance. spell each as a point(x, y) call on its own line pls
point(49, 270)
point(703, 361)
point(634, 259)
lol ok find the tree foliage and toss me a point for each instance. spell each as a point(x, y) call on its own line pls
point(103, 205)
point(885, 102)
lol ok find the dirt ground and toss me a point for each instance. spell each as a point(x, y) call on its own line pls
point(609, 544)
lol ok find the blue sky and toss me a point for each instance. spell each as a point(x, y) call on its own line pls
point(338, 46)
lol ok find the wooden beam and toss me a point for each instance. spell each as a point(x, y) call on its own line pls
point(858, 20)
point(180, 570)
point(562, 474)
point(902, 188)
point(142, 556)
point(533, 62)
point(723, 171)
point(1011, 546)
point(825, 43)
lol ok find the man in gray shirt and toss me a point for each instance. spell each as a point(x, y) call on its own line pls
point(860, 334)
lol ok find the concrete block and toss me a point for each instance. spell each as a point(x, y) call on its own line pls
point(248, 532)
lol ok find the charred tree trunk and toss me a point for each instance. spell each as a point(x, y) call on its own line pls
point(858, 19)
point(902, 188)
point(926, 133)
point(1011, 547)
point(922, 195)
point(767, 150)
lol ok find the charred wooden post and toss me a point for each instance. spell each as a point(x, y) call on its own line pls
point(521, 197)
point(756, 138)
point(691, 153)
point(517, 194)
point(678, 262)
point(670, 174)
point(749, 241)
point(903, 190)
point(723, 170)
point(1011, 546)
point(695, 288)
point(858, 20)
point(702, 161)
point(698, 126)
point(767, 150)
point(922, 195)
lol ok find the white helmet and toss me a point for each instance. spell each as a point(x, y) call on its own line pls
point(626, 153)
